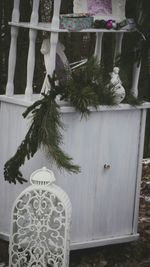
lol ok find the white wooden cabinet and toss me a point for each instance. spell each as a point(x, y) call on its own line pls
point(108, 146)
point(105, 200)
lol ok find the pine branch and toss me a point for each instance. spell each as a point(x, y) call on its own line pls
point(87, 87)
point(43, 132)
point(49, 136)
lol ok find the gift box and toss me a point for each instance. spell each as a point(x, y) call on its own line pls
point(76, 22)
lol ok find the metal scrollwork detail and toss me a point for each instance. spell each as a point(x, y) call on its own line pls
point(39, 227)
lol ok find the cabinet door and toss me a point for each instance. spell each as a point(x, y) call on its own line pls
point(116, 186)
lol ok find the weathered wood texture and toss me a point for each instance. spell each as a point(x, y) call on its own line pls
point(13, 50)
point(31, 52)
point(103, 200)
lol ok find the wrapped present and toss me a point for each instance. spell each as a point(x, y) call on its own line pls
point(76, 22)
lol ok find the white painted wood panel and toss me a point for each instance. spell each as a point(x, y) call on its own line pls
point(118, 45)
point(31, 53)
point(97, 214)
point(139, 171)
point(115, 187)
point(10, 134)
point(98, 46)
point(54, 38)
point(135, 78)
point(13, 49)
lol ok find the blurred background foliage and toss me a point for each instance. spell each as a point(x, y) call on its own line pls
point(78, 46)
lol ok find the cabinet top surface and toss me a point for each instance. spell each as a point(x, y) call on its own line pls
point(19, 100)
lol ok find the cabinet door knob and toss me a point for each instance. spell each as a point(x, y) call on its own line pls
point(106, 166)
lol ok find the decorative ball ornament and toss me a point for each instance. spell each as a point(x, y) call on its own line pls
point(40, 224)
point(109, 24)
point(105, 24)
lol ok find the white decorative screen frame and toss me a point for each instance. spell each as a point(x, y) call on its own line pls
point(117, 13)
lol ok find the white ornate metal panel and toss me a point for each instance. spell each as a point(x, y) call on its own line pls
point(40, 225)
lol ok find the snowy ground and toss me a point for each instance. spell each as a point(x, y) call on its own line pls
point(135, 254)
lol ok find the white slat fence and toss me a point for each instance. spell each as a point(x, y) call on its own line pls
point(51, 56)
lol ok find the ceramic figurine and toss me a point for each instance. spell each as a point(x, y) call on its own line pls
point(115, 85)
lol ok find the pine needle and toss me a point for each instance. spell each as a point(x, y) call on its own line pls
point(45, 131)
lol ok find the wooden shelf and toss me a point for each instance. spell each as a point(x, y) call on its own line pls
point(48, 27)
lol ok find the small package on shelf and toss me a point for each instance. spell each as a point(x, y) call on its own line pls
point(76, 22)
point(127, 24)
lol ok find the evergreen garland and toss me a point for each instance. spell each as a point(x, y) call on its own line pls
point(87, 87)
point(44, 131)
point(83, 88)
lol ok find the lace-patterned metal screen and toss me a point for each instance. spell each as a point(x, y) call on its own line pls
point(40, 225)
